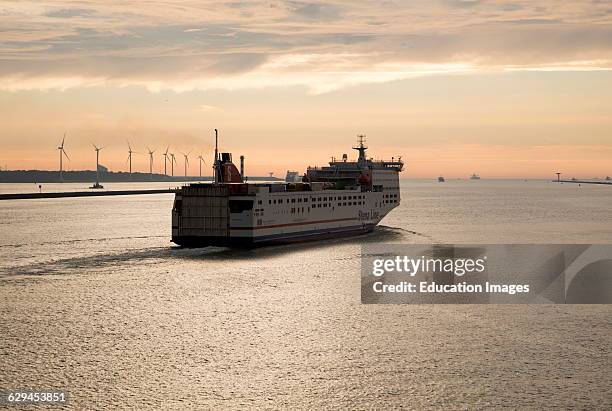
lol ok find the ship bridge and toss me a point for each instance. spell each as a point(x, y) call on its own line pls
point(397, 165)
point(354, 173)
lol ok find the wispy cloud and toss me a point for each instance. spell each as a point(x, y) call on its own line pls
point(315, 11)
point(321, 46)
point(69, 13)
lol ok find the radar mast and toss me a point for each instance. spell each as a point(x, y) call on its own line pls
point(361, 148)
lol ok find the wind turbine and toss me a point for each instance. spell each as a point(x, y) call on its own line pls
point(130, 157)
point(165, 160)
point(97, 185)
point(150, 162)
point(186, 163)
point(172, 163)
point(62, 153)
point(201, 161)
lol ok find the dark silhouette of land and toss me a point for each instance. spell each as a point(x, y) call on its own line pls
point(89, 176)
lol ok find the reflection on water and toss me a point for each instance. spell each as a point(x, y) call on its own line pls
point(94, 298)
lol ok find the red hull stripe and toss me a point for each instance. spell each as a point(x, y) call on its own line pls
point(292, 224)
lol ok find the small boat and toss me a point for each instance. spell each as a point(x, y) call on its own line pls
point(474, 177)
point(441, 179)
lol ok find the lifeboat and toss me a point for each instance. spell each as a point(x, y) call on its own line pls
point(364, 179)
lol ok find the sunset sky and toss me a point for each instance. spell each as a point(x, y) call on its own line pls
point(499, 88)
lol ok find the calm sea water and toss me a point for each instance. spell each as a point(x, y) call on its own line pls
point(95, 299)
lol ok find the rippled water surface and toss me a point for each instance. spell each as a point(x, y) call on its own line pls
point(96, 300)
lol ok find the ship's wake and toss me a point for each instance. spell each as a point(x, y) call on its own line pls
point(404, 230)
point(80, 240)
point(109, 256)
point(106, 260)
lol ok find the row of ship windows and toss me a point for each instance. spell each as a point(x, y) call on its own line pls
point(325, 205)
point(390, 196)
point(350, 203)
point(314, 199)
point(260, 211)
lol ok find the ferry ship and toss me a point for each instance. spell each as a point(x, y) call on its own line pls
point(341, 199)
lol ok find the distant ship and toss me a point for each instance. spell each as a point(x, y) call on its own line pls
point(441, 179)
point(344, 198)
point(293, 177)
point(474, 177)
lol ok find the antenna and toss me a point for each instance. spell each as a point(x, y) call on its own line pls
point(361, 148)
point(361, 139)
point(242, 168)
point(216, 161)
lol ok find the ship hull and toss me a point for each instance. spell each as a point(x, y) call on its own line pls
point(275, 239)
